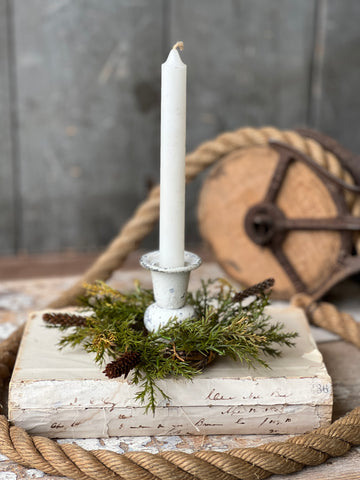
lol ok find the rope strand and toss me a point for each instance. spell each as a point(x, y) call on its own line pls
point(286, 457)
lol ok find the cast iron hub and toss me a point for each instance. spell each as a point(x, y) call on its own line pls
point(267, 226)
point(262, 223)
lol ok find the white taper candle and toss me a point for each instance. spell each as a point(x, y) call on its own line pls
point(172, 159)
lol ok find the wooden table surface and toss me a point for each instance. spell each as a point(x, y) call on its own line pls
point(18, 297)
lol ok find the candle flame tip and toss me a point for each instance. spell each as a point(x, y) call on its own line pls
point(179, 45)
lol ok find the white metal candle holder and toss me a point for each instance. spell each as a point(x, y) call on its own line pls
point(170, 286)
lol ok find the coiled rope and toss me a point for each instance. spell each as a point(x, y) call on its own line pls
point(257, 463)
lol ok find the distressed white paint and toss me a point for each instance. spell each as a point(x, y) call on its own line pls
point(64, 394)
point(34, 473)
point(170, 285)
point(7, 476)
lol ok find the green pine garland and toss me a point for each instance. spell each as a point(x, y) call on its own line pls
point(222, 326)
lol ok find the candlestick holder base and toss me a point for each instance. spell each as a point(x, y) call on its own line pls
point(170, 286)
point(156, 317)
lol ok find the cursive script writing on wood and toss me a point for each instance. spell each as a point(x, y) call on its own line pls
point(214, 395)
point(204, 423)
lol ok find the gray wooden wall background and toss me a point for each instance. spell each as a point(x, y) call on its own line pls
point(79, 99)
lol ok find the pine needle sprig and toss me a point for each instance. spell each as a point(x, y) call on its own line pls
point(221, 327)
point(65, 320)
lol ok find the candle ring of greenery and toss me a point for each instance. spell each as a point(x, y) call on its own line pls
point(224, 325)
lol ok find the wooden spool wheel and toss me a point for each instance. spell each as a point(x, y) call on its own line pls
point(273, 212)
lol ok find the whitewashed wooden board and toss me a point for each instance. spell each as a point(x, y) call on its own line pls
point(65, 394)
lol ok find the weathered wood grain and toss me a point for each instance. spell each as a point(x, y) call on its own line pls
point(88, 75)
point(85, 80)
point(339, 108)
point(248, 64)
point(7, 191)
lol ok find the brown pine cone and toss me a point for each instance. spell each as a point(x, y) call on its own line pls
point(65, 319)
point(254, 290)
point(122, 365)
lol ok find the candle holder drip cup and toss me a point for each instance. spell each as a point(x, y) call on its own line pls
point(170, 286)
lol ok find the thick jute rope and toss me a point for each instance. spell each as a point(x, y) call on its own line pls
point(257, 463)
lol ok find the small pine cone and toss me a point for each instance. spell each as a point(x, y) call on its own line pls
point(122, 365)
point(65, 319)
point(254, 290)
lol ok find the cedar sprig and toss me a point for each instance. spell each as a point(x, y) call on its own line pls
point(221, 327)
point(122, 365)
point(65, 320)
point(258, 289)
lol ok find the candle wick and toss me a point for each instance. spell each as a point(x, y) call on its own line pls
point(179, 45)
